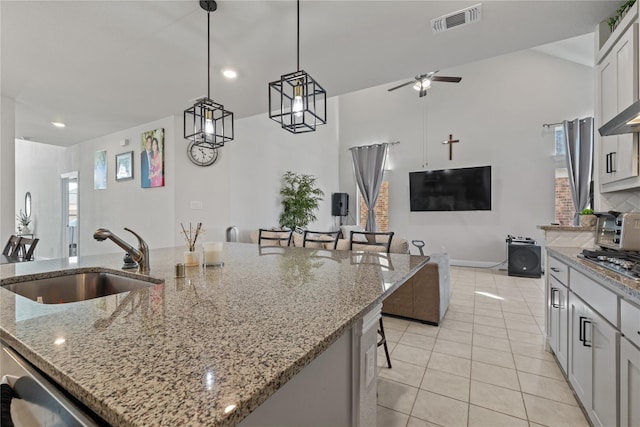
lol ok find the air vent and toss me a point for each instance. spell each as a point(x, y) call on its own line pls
point(457, 19)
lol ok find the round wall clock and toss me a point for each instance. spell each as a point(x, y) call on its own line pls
point(202, 154)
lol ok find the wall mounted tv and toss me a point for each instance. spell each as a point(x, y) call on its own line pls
point(465, 189)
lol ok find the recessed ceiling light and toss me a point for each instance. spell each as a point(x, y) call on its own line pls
point(229, 73)
point(58, 124)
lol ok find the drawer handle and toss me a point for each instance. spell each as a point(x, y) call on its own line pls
point(554, 304)
point(583, 331)
point(556, 269)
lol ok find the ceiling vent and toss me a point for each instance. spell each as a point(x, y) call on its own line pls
point(457, 19)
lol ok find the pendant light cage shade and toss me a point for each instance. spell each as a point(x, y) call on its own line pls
point(208, 122)
point(297, 102)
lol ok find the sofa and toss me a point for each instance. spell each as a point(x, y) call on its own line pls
point(424, 297)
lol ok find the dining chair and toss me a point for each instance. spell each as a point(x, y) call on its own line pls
point(11, 248)
point(274, 237)
point(370, 238)
point(25, 248)
point(320, 238)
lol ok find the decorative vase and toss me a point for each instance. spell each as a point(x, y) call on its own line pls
point(25, 230)
point(587, 220)
point(190, 258)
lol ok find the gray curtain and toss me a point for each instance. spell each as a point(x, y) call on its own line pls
point(368, 164)
point(578, 139)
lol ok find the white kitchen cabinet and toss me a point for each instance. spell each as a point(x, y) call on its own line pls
point(629, 384)
point(593, 367)
point(617, 89)
point(558, 321)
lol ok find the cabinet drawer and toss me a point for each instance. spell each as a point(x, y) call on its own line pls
point(630, 322)
point(559, 270)
point(597, 296)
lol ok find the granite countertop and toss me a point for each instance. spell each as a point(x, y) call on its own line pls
point(552, 227)
point(206, 349)
point(628, 288)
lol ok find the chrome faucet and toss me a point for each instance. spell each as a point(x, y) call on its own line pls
point(140, 255)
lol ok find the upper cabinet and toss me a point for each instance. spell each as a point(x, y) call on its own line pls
point(617, 88)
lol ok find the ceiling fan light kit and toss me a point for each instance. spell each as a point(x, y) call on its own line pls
point(208, 122)
point(297, 101)
point(423, 82)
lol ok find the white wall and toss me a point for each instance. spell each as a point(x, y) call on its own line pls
point(45, 189)
point(7, 169)
point(497, 112)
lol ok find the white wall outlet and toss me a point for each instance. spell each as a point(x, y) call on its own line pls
point(196, 204)
point(370, 365)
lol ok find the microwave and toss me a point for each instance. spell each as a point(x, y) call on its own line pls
point(619, 231)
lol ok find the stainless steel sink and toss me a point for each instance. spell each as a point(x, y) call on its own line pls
point(75, 287)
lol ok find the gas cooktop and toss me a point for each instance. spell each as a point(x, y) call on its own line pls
point(625, 263)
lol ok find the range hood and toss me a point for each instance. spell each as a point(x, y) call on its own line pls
point(628, 121)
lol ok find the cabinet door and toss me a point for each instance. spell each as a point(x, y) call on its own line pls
point(580, 356)
point(629, 384)
point(608, 108)
point(604, 345)
point(562, 352)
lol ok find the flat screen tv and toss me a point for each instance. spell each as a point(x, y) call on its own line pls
point(465, 189)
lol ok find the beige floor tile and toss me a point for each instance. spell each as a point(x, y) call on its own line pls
point(531, 350)
point(490, 331)
point(461, 308)
point(396, 396)
point(451, 364)
point(395, 323)
point(525, 336)
point(484, 305)
point(415, 340)
point(498, 399)
point(519, 307)
point(403, 372)
point(496, 375)
point(456, 315)
point(409, 354)
point(453, 348)
point(457, 336)
point(393, 335)
point(489, 313)
point(525, 318)
point(446, 384)
point(456, 325)
point(481, 417)
point(417, 422)
point(488, 321)
point(441, 410)
point(491, 342)
point(531, 327)
point(389, 418)
point(549, 388)
point(493, 357)
point(541, 367)
point(553, 414)
point(422, 329)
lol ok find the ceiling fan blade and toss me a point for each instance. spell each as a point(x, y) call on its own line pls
point(402, 85)
point(446, 79)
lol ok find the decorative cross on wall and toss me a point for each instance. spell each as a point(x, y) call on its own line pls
point(451, 141)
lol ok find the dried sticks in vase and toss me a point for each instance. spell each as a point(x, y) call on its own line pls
point(192, 236)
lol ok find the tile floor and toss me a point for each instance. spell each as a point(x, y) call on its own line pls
point(485, 365)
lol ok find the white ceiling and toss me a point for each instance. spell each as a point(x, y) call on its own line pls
point(103, 66)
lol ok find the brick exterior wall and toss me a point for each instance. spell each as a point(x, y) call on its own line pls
point(564, 202)
point(381, 209)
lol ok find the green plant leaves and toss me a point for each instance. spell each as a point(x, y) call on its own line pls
point(300, 200)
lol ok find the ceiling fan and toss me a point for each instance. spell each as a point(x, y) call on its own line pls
point(422, 82)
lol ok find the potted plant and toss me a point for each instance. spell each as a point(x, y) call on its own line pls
point(23, 222)
point(587, 218)
point(300, 199)
point(620, 13)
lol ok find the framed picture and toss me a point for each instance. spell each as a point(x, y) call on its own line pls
point(100, 170)
point(124, 166)
point(152, 159)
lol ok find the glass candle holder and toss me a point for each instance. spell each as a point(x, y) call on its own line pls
point(190, 259)
point(212, 253)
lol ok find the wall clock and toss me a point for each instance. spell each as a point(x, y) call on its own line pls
point(202, 154)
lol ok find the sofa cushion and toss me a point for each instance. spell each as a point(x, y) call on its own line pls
point(347, 229)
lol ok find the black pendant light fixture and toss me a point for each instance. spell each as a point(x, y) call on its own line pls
point(297, 101)
point(207, 122)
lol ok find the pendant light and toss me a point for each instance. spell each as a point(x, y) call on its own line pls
point(207, 122)
point(297, 101)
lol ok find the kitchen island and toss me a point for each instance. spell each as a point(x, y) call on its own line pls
point(210, 348)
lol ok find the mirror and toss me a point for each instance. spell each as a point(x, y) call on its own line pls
point(27, 204)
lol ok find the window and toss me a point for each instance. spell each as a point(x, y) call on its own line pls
point(563, 198)
point(381, 208)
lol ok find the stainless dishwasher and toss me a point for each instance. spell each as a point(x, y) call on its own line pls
point(40, 402)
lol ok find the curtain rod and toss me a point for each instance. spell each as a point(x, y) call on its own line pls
point(546, 125)
point(373, 145)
